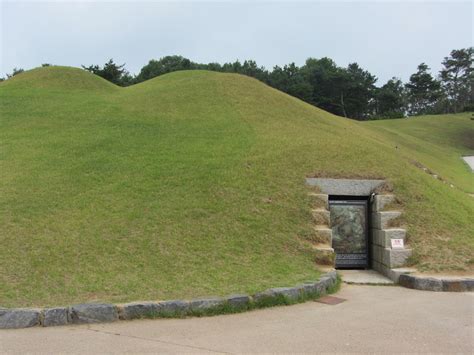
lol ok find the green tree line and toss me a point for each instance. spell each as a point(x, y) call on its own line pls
point(346, 91)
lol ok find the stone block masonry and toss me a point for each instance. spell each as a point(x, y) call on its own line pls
point(100, 313)
point(205, 304)
point(136, 310)
point(322, 234)
point(319, 201)
point(19, 318)
point(426, 283)
point(92, 313)
point(388, 257)
point(239, 301)
point(383, 237)
point(382, 220)
point(321, 217)
point(321, 238)
point(345, 187)
point(384, 257)
point(379, 202)
point(55, 316)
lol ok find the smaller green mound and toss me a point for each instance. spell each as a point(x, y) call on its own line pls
point(59, 78)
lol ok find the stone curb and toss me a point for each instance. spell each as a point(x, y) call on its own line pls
point(437, 285)
point(15, 318)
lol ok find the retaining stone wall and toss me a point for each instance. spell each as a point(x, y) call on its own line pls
point(436, 284)
point(100, 313)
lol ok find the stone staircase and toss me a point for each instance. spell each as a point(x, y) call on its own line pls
point(322, 234)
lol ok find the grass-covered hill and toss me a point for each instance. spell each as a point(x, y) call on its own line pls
point(192, 184)
point(435, 142)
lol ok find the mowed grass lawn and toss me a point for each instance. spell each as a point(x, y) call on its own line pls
point(190, 184)
point(438, 142)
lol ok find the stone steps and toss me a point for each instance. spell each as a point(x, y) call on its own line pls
point(319, 200)
point(321, 217)
point(324, 254)
point(323, 247)
point(321, 235)
point(321, 238)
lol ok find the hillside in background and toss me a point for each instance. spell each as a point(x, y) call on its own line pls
point(192, 184)
point(435, 142)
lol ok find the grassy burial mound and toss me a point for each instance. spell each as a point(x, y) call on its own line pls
point(186, 185)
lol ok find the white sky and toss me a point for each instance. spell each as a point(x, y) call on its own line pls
point(386, 38)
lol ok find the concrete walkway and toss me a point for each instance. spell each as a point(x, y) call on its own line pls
point(372, 319)
point(470, 161)
point(364, 277)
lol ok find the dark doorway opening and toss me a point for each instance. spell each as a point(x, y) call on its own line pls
point(350, 231)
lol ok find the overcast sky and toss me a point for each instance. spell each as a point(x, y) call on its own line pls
point(386, 38)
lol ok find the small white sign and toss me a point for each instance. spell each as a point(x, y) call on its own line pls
point(397, 243)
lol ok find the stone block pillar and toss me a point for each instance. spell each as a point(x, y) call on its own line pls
point(385, 256)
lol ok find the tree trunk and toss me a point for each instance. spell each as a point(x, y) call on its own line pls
point(342, 104)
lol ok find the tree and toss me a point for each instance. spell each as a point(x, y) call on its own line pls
point(235, 67)
point(457, 78)
point(250, 68)
point(291, 80)
point(111, 72)
point(210, 66)
point(348, 92)
point(326, 80)
point(423, 91)
point(15, 71)
point(164, 65)
point(391, 100)
point(358, 92)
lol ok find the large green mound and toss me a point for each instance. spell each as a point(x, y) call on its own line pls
point(186, 185)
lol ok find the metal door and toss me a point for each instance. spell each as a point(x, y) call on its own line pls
point(350, 233)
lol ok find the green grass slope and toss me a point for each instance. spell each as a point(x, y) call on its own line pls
point(186, 185)
point(59, 78)
point(437, 142)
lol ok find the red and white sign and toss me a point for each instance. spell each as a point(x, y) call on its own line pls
point(397, 243)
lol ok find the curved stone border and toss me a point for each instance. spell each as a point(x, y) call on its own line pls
point(433, 284)
point(15, 318)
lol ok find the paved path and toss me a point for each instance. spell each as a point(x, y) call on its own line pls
point(470, 161)
point(364, 277)
point(373, 319)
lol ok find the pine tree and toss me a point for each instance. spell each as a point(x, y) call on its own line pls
point(457, 78)
point(423, 91)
